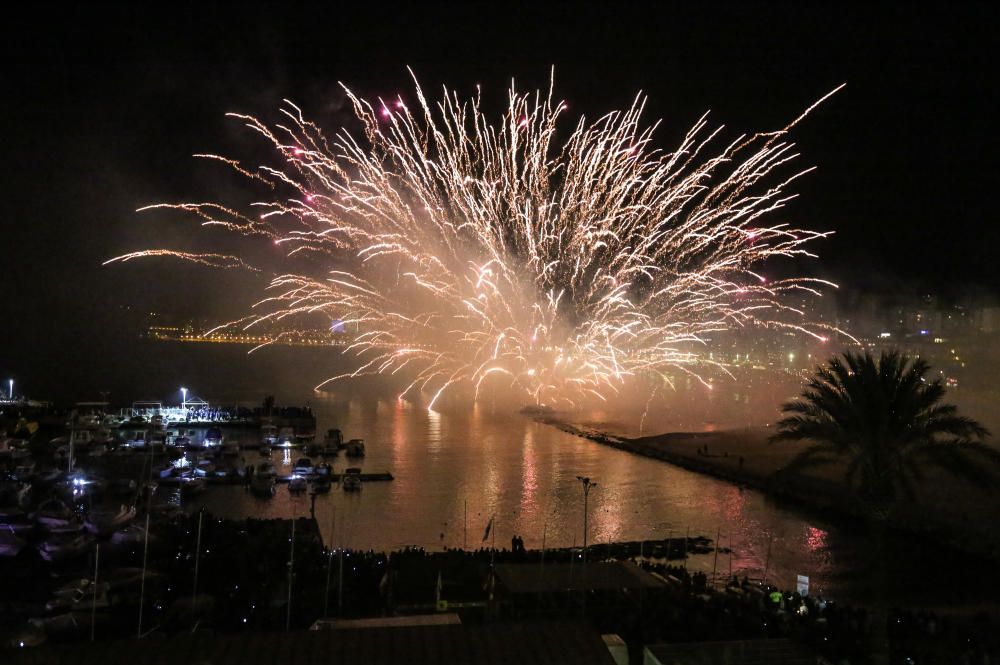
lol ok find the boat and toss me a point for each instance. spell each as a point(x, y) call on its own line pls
point(351, 479)
point(192, 485)
point(106, 522)
point(263, 479)
point(69, 589)
point(333, 439)
point(132, 534)
point(297, 483)
point(262, 485)
point(320, 484)
point(356, 448)
point(64, 547)
point(16, 522)
point(81, 598)
point(322, 479)
point(10, 543)
point(268, 435)
point(204, 468)
point(303, 467)
point(53, 513)
point(213, 437)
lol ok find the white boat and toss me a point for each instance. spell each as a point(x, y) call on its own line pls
point(268, 435)
point(297, 483)
point(356, 448)
point(213, 437)
point(105, 522)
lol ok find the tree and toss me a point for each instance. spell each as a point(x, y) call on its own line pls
point(886, 420)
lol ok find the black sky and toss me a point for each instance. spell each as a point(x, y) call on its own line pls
point(103, 106)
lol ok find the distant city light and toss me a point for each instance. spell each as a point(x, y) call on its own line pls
point(885, 334)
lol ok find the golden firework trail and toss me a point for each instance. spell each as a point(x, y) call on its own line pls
point(466, 251)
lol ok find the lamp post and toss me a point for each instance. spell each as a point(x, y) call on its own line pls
point(11, 383)
point(184, 398)
point(587, 484)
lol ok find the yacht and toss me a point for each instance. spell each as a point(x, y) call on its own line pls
point(351, 479)
point(64, 547)
point(322, 478)
point(262, 482)
point(268, 435)
point(192, 485)
point(53, 513)
point(297, 483)
point(106, 522)
point(303, 467)
point(356, 448)
point(332, 443)
point(10, 543)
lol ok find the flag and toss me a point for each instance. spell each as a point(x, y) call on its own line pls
point(489, 526)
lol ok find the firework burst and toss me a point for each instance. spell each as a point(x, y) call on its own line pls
point(466, 251)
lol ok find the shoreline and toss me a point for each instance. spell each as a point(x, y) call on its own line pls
point(745, 459)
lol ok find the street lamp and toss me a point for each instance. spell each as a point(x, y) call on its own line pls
point(184, 398)
point(587, 484)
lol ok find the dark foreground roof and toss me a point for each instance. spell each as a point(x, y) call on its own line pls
point(493, 644)
point(557, 577)
point(744, 652)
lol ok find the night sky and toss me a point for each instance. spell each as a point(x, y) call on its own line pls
point(103, 107)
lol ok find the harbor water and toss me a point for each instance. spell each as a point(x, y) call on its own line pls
point(460, 465)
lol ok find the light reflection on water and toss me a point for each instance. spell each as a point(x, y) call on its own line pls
point(525, 473)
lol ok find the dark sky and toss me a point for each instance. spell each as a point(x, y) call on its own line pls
point(102, 108)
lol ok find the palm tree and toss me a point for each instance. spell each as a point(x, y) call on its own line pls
point(886, 421)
